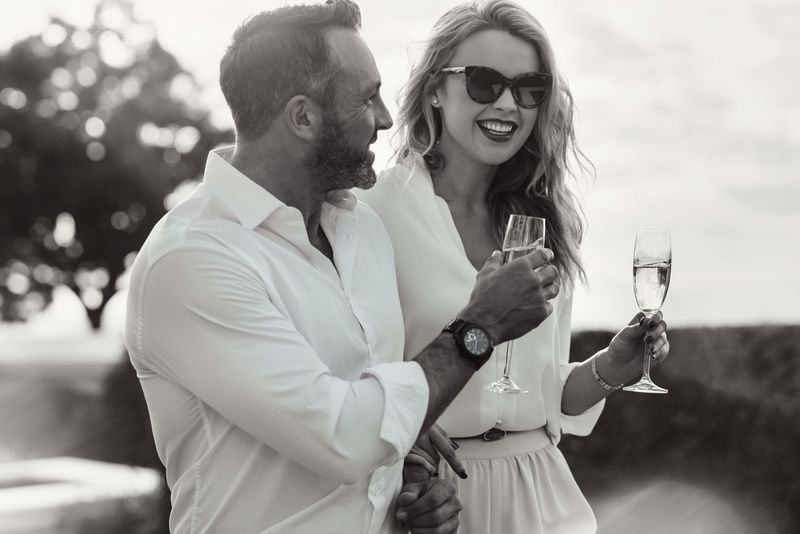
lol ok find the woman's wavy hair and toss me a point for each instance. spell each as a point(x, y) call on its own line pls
point(533, 181)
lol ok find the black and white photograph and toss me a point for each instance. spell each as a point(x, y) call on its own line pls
point(420, 267)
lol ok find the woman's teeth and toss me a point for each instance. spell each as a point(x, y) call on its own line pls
point(497, 128)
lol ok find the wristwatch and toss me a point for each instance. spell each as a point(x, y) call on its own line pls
point(473, 341)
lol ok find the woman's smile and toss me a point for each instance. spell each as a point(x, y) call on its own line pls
point(497, 130)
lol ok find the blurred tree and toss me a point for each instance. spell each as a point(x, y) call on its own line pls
point(97, 127)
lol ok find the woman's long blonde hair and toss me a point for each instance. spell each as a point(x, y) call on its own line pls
point(533, 181)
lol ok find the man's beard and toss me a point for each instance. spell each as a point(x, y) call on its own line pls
point(337, 163)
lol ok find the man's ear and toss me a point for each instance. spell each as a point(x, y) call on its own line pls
point(303, 117)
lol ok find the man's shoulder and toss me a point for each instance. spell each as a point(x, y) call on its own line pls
point(184, 228)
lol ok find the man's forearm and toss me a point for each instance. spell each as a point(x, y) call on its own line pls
point(447, 373)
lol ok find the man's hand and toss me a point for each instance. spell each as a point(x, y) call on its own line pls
point(512, 299)
point(429, 507)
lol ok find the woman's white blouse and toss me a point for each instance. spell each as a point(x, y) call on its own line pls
point(435, 279)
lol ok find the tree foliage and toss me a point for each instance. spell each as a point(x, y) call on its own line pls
point(97, 127)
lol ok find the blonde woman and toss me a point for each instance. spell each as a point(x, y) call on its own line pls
point(486, 123)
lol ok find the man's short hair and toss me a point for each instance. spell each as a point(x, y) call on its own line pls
point(278, 54)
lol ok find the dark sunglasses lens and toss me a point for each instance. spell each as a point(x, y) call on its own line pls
point(532, 90)
point(484, 85)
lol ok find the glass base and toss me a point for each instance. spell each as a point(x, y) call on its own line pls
point(504, 384)
point(645, 385)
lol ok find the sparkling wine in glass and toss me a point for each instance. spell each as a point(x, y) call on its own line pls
point(523, 235)
point(652, 263)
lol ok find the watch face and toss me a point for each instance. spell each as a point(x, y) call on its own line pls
point(476, 341)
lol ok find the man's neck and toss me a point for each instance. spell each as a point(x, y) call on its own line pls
point(287, 182)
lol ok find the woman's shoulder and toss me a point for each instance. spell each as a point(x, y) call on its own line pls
point(392, 185)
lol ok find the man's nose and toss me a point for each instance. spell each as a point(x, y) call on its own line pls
point(383, 119)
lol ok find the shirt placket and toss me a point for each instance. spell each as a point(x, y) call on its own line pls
point(342, 224)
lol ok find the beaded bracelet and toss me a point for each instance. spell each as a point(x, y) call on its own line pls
point(605, 385)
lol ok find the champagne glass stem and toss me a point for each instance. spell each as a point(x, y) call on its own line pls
point(509, 348)
point(646, 365)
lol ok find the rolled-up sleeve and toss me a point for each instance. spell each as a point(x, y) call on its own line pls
point(208, 325)
point(581, 424)
point(406, 393)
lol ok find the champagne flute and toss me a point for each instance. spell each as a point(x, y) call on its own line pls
point(652, 263)
point(523, 235)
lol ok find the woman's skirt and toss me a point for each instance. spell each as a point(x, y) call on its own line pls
point(520, 484)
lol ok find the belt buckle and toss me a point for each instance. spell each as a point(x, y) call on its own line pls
point(494, 434)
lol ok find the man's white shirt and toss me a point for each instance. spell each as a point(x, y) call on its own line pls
point(274, 379)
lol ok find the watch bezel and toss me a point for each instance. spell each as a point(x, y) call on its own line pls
point(459, 328)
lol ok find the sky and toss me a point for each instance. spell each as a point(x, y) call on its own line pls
point(688, 110)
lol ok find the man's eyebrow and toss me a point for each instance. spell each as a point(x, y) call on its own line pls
point(372, 88)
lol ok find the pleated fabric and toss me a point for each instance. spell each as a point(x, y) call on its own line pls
point(520, 484)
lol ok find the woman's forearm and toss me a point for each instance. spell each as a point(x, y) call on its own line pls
point(582, 390)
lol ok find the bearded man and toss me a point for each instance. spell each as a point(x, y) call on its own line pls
point(263, 316)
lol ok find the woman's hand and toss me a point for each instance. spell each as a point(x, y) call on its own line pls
point(429, 504)
point(623, 361)
point(429, 448)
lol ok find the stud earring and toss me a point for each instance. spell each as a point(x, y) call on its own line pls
point(435, 100)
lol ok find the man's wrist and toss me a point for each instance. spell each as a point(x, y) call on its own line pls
point(455, 353)
point(472, 316)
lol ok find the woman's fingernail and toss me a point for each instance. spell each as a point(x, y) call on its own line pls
point(463, 474)
point(651, 324)
point(435, 474)
point(648, 339)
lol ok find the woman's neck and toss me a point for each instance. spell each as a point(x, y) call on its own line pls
point(464, 182)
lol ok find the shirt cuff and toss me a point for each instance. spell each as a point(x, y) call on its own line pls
point(405, 405)
point(581, 424)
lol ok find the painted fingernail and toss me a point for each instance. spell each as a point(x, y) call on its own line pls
point(651, 324)
point(648, 339)
point(463, 474)
point(435, 474)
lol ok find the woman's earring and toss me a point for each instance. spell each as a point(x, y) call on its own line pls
point(435, 101)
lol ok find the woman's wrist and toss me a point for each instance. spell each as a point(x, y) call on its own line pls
point(609, 371)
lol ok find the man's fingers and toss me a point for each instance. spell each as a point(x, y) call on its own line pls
point(548, 274)
point(493, 262)
point(443, 520)
point(410, 493)
point(539, 257)
point(435, 493)
point(551, 290)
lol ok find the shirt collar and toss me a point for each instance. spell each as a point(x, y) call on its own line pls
point(250, 203)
